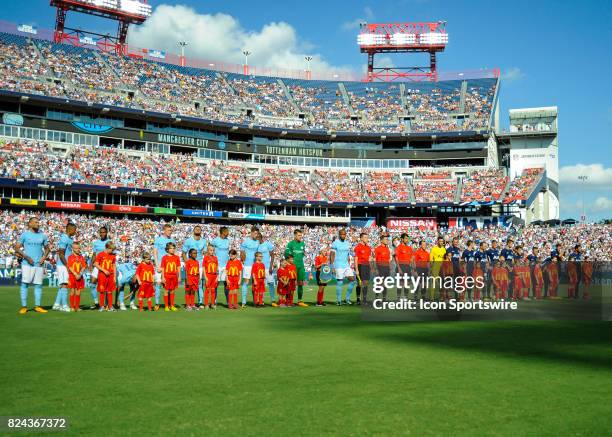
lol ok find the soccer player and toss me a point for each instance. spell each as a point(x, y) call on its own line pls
point(258, 276)
point(552, 271)
point(248, 248)
point(403, 255)
point(145, 274)
point(320, 260)
point(105, 264)
point(339, 258)
point(159, 251)
point(447, 271)
point(233, 270)
point(222, 245)
point(573, 271)
point(469, 257)
point(210, 264)
point(538, 278)
point(33, 248)
point(170, 267)
point(436, 256)
point(76, 265)
point(64, 250)
point(382, 256)
point(587, 276)
point(421, 263)
point(363, 256)
point(199, 244)
point(97, 247)
point(500, 277)
point(297, 249)
point(193, 279)
point(126, 275)
point(267, 250)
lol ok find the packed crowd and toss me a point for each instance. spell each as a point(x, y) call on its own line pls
point(102, 78)
point(435, 191)
point(135, 235)
point(484, 185)
point(522, 185)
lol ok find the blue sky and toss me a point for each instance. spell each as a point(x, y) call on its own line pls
point(551, 53)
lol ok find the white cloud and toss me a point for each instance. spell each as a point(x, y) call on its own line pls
point(512, 74)
point(368, 15)
point(601, 204)
point(598, 177)
point(220, 37)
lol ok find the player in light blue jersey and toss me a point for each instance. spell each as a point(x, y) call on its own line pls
point(98, 246)
point(159, 250)
point(341, 251)
point(199, 244)
point(126, 275)
point(64, 250)
point(267, 250)
point(248, 248)
point(33, 248)
point(222, 246)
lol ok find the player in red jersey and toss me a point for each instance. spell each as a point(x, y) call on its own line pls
point(282, 274)
point(106, 262)
point(258, 275)
point(233, 270)
point(210, 265)
point(403, 255)
point(501, 278)
point(76, 282)
point(171, 272)
point(192, 279)
point(320, 260)
point(363, 256)
point(479, 281)
point(145, 274)
point(587, 276)
point(382, 256)
point(292, 285)
point(538, 278)
point(447, 271)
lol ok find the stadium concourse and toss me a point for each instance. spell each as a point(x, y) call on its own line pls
point(44, 68)
point(107, 166)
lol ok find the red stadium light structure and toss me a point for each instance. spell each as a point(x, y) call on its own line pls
point(125, 12)
point(402, 38)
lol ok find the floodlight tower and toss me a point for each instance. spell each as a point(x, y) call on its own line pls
point(402, 38)
point(125, 12)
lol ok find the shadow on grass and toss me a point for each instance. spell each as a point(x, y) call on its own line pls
point(588, 344)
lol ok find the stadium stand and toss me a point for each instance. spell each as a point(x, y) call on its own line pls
point(524, 184)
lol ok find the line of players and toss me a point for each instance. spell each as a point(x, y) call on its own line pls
point(508, 272)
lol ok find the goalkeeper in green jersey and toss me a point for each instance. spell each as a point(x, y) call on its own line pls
point(296, 248)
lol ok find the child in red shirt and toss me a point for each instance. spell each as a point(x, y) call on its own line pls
point(171, 272)
point(282, 289)
point(291, 287)
point(192, 280)
point(258, 275)
point(145, 272)
point(76, 282)
point(211, 276)
point(233, 269)
point(106, 263)
point(320, 260)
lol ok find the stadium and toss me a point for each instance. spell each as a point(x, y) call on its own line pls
point(148, 145)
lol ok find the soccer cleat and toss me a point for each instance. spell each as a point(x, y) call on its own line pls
point(348, 302)
point(242, 306)
point(122, 307)
point(23, 310)
point(274, 304)
point(173, 308)
point(156, 307)
point(189, 309)
point(302, 304)
point(40, 309)
point(102, 309)
point(111, 309)
point(56, 307)
point(214, 307)
point(339, 303)
point(94, 306)
point(133, 306)
point(166, 308)
point(319, 304)
point(65, 309)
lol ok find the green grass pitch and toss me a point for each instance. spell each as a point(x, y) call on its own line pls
point(302, 371)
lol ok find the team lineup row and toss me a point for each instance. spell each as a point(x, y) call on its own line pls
point(207, 264)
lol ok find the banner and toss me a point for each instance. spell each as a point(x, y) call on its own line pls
point(408, 223)
point(87, 40)
point(160, 210)
point(25, 202)
point(242, 215)
point(125, 208)
point(71, 205)
point(479, 222)
point(363, 222)
point(27, 28)
point(202, 213)
point(157, 54)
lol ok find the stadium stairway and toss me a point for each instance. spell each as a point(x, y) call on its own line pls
point(102, 60)
point(403, 98)
point(411, 196)
point(459, 190)
point(347, 100)
point(289, 97)
point(462, 97)
point(225, 82)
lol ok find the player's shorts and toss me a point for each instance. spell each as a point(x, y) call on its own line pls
point(383, 270)
point(301, 273)
point(106, 284)
point(171, 283)
point(32, 274)
point(259, 286)
point(246, 272)
point(281, 290)
point(232, 283)
point(211, 282)
point(345, 272)
point(222, 274)
point(146, 290)
point(62, 274)
point(76, 284)
point(403, 267)
point(94, 273)
point(365, 272)
point(192, 284)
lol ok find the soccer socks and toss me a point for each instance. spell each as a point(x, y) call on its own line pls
point(23, 294)
point(244, 293)
point(140, 302)
point(339, 283)
point(300, 290)
point(71, 297)
point(272, 292)
point(121, 295)
point(320, 296)
point(102, 296)
point(166, 299)
point(157, 293)
point(77, 301)
point(172, 299)
point(109, 299)
point(37, 294)
point(349, 290)
point(58, 297)
point(94, 293)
